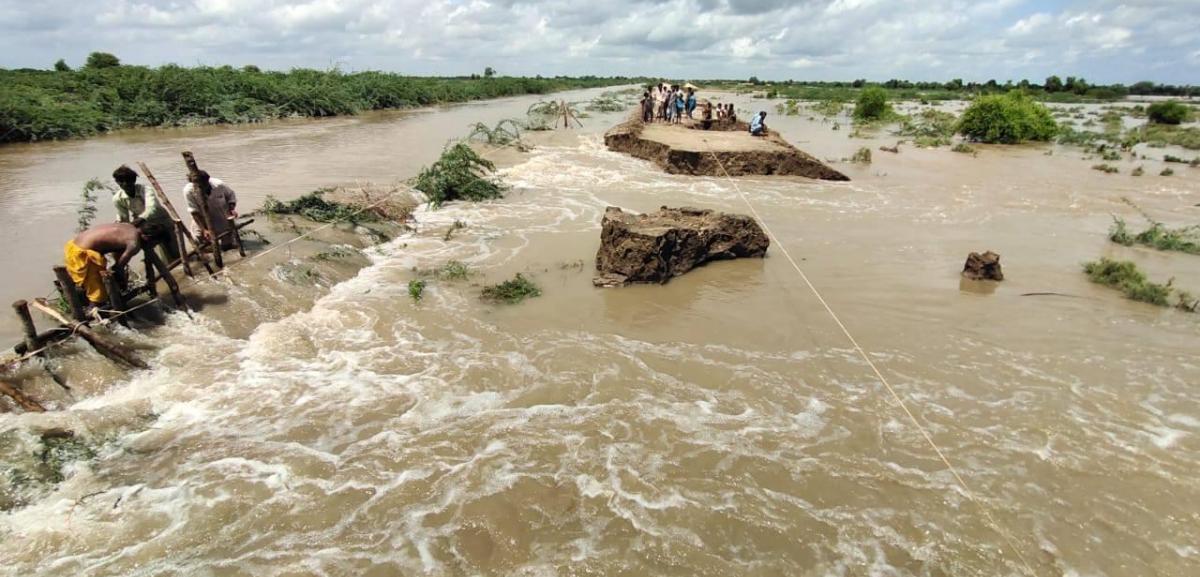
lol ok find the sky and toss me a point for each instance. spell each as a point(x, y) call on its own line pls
point(1100, 40)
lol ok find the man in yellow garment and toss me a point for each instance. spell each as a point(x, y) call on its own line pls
point(86, 253)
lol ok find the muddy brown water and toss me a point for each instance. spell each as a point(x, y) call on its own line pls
point(717, 425)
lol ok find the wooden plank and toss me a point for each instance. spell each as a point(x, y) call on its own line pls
point(111, 350)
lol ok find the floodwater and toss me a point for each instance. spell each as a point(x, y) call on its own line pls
point(718, 425)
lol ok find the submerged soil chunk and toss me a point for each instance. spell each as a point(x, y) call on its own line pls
point(984, 266)
point(657, 246)
point(681, 150)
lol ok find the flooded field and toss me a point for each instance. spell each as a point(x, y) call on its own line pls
point(720, 424)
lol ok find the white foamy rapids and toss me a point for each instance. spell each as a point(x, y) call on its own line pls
point(374, 435)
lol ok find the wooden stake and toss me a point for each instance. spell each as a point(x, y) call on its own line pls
point(237, 236)
point(116, 300)
point(152, 260)
point(183, 251)
point(66, 287)
point(20, 398)
point(31, 337)
point(111, 350)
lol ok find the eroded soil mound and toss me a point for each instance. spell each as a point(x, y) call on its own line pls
point(657, 246)
point(680, 150)
point(984, 266)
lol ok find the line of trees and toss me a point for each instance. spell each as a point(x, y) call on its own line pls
point(1052, 85)
point(104, 95)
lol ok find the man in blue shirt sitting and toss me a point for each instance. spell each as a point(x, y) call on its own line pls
point(758, 125)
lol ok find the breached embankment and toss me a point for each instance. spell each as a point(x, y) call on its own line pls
point(679, 149)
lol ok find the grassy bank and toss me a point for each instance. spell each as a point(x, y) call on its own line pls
point(60, 104)
point(1078, 91)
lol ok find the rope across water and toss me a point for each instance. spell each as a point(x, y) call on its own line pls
point(874, 369)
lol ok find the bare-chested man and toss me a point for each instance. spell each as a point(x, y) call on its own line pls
point(85, 254)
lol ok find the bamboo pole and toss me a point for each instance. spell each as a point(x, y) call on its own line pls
point(111, 350)
point(202, 204)
point(153, 261)
point(66, 287)
point(20, 398)
point(181, 230)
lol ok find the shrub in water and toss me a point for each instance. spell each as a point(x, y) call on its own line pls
point(1125, 275)
point(460, 174)
point(1007, 119)
point(863, 155)
point(511, 291)
point(416, 289)
point(1168, 113)
point(872, 104)
point(313, 206)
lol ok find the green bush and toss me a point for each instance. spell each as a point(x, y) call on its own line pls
point(104, 95)
point(1186, 239)
point(872, 104)
point(1124, 275)
point(1168, 113)
point(460, 174)
point(313, 206)
point(511, 291)
point(416, 290)
point(1007, 119)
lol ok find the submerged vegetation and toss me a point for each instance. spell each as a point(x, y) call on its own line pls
point(511, 291)
point(416, 289)
point(862, 155)
point(1007, 119)
point(544, 115)
point(1125, 276)
point(105, 95)
point(460, 174)
point(1169, 113)
point(930, 128)
point(1162, 135)
point(872, 105)
point(607, 102)
point(314, 206)
point(505, 132)
point(1186, 239)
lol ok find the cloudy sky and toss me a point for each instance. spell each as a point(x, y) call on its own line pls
point(1101, 40)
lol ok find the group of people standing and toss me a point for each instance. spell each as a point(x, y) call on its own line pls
point(668, 103)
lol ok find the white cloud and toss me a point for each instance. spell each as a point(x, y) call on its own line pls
point(1104, 40)
point(1029, 25)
